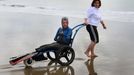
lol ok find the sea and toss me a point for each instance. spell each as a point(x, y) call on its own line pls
point(28, 24)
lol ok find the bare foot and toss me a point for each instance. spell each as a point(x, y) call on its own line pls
point(93, 55)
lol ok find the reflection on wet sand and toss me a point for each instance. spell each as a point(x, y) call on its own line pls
point(90, 66)
point(51, 69)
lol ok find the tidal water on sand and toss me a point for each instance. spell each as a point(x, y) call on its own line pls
point(28, 24)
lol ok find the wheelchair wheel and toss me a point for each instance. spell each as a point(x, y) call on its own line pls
point(52, 55)
point(28, 62)
point(66, 56)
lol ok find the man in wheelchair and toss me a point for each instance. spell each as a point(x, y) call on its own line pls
point(62, 38)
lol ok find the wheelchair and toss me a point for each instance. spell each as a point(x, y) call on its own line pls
point(65, 55)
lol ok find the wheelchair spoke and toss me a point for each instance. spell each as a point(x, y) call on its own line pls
point(63, 54)
point(67, 58)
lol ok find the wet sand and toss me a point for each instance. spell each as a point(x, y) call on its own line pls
point(115, 49)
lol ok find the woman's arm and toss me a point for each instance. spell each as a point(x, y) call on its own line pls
point(103, 24)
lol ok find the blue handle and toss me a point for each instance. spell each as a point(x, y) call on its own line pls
point(77, 27)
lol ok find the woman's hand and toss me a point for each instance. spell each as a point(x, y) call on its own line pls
point(104, 26)
point(85, 21)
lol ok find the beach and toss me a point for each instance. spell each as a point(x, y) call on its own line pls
point(26, 26)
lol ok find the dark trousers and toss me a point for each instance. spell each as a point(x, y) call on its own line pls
point(46, 48)
point(93, 32)
point(49, 47)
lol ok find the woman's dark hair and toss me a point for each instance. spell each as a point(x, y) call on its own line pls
point(92, 4)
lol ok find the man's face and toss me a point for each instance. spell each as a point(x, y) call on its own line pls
point(64, 23)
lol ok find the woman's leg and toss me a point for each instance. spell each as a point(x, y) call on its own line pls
point(92, 50)
point(94, 39)
point(88, 50)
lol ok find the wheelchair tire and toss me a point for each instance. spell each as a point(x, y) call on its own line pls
point(28, 62)
point(63, 56)
point(51, 57)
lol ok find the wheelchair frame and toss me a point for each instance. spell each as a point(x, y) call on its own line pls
point(65, 52)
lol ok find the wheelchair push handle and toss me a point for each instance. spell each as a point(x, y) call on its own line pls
point(76, 28)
